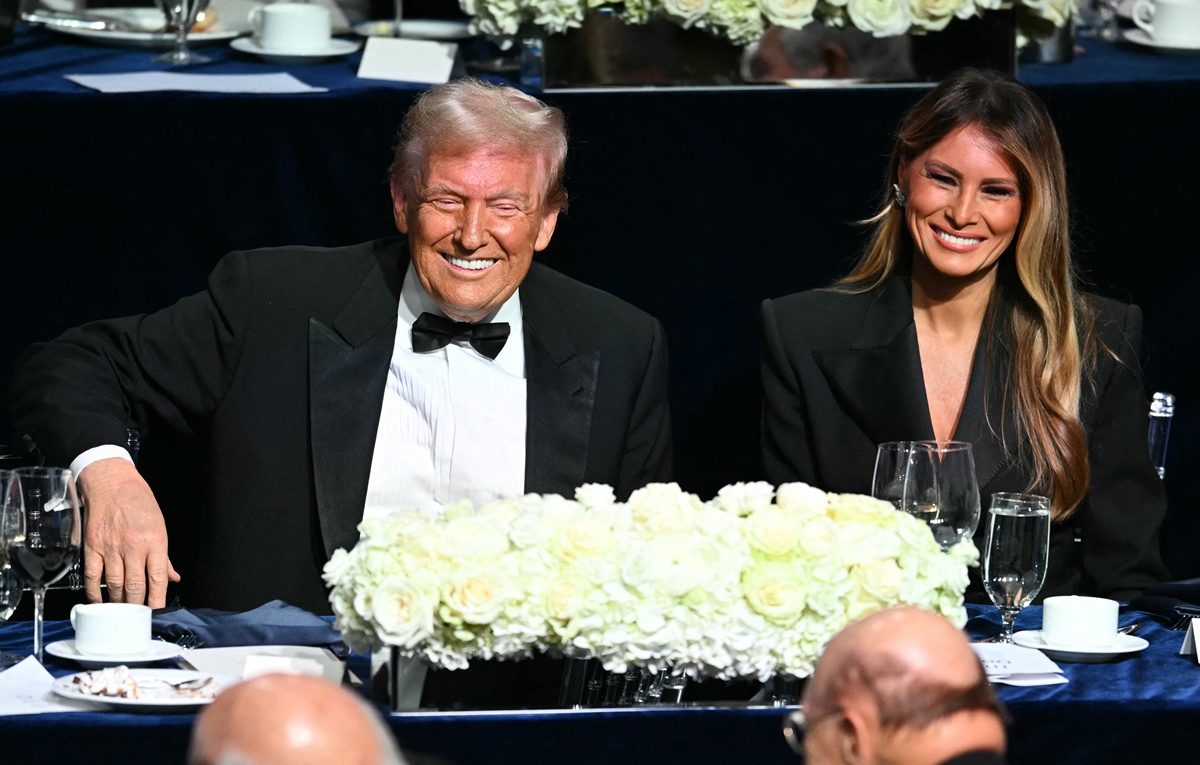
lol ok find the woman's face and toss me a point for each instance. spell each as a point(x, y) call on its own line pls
point(963, 209)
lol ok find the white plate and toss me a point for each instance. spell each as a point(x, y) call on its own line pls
point(155, 696)
point(150, 19)
point(159, 650)
point(1139, 37)
point(417, 29)
point(335, 48)
point(1081, 654)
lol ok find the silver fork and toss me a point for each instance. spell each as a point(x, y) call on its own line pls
point(189, 640)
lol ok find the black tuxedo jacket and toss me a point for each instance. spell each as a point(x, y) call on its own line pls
point(842, 373)
point(275, 375)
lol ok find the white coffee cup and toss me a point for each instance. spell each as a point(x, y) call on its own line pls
point(111, 628)
point(1077, 621)
point(291, 27)
point(1170, 22)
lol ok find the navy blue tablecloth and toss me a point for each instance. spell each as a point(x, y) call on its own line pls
point(1141, 708)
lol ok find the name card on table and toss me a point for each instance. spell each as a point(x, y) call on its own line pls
point(1189, 641)
point(1015, 665)
point(395, 58)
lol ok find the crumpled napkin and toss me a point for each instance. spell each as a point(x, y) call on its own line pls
point(274, 623)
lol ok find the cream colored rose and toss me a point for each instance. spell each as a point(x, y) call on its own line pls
point(476, 598)
point(471, 539)
point(687, 11)
point(933, 15)
point(529, 530)
point(585, 536)
point(565, 596)
point(659, 515)
point(788, 13)
point(882, 18)
point(772, 531)
point(776, 591)
point(860, 544)
point(403, 612)
point(882, 579)
point(818, 538)
point(857, 508)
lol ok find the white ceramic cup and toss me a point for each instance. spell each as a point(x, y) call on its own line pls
point(111, 628)
point(1170, 22)
point(1077, 621)
point(291, 27)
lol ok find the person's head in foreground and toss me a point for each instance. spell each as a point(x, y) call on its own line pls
point(901, 687)
point(290, 720)
point(477, 185)
point(976, 205)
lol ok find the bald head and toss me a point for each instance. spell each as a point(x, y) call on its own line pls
point(290, 720)
point(900, 686)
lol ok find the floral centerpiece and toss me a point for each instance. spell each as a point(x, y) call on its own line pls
point(751, 584)
point(744, 21)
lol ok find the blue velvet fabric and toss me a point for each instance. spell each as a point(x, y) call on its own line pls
point(1141, 708)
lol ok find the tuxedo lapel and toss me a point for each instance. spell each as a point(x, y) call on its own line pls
point(348, 365)
point(560, 395)
point(878, 380)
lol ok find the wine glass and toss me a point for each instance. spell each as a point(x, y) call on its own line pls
point(1017, 549)
point(181, 16)
point(956, 515)
point(10, 584)
point(906, 476)
point(41, 532)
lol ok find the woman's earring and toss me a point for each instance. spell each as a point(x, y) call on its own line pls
point(901, 200)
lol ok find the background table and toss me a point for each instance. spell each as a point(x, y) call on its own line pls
point(1142, 708)
point(694, 205)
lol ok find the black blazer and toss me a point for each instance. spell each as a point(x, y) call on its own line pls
point(842, 373)
point(276, 375)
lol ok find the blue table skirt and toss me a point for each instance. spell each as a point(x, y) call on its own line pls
point(1144, 707)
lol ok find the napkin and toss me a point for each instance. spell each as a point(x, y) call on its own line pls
point(274, 623)
point(1017, 665)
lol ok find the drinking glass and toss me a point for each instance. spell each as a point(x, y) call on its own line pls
point(957, 513)
point(1017, 549)
point(181, 16)
point(10, 585)
point(41, 532)
point(906, 476)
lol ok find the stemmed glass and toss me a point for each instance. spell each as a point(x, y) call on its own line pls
point(10, 585)
point(41, 532)
point(181, 15)
point(934, 481)
point(1016, 554)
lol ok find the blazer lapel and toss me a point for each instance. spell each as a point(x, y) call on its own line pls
point(878, 380)
point(348, 365)
point(560, 395)
point(984, 421)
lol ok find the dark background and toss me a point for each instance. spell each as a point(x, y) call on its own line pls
point(691, 205)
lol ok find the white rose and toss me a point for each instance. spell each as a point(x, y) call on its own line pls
point(662, 508)
point(933, 15)
point(745, 498)
point(679, 565)
point(471, 538)
point(773, 531)
point(864, 544)
point(585, 536)
point(687, 11)
point(403, 612)
point(565, 596)
point(819, 538)
point(777, 591)
point(801, 498)
point(882, 18)
point(788, 13)
point(475, 597)
point(882, 579)
point(529, 530)
point(595, 495)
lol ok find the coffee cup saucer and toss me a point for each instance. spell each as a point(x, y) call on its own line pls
point(159, 650)
point(1082, 654)
point(1140, 37)
point(332, 49)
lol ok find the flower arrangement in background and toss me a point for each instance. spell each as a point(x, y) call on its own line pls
point(751, 584)
point(744, 21)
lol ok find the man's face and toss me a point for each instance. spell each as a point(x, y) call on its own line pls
point(474, 219)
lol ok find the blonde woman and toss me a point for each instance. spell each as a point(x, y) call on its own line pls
point(962, 320)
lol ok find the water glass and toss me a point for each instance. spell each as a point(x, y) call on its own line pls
point(1016, 554)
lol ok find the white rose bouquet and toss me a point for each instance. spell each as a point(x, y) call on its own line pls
point(744, 21)
point(751, 584)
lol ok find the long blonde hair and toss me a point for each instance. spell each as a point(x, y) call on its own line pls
point(1049, 325)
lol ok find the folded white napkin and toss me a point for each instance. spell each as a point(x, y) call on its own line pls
point(140, 82)
point(1016, 665)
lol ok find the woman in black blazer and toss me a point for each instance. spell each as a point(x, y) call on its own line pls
point(962, 320)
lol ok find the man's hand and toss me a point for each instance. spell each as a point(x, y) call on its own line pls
point(125, 537)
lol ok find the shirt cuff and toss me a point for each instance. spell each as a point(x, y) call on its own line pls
point(98, 453)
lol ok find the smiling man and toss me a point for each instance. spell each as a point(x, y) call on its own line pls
point(320, 386)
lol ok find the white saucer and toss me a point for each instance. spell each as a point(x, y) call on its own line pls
point(335, 48)
point(155, 696)
point(1092, 654)
point(147, 30)
point(1139, 37)
point(417, 29)
point(158, 651)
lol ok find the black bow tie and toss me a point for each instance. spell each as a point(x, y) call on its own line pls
point(431, 332)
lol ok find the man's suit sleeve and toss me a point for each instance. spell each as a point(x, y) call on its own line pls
point(649, 450)
point(1126, 500)
point(89, 385)
point(785, 451)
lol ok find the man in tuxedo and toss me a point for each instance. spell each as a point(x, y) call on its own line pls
point(318, 385)
point(901, 686)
